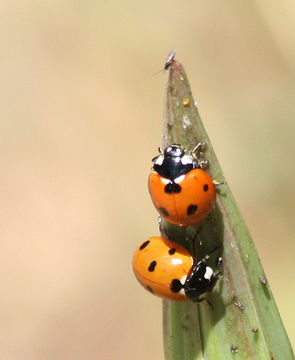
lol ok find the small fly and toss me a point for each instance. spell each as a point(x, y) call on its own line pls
point(168, 62)
point(170, 59)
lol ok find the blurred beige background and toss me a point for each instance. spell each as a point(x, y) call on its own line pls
point(81, 118)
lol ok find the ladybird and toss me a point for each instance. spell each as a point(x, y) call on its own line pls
point(168, 270)
point(182, 192)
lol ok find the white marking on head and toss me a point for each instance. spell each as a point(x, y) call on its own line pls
point(208, 273)
point(179, 179)
point(186, 160)
point(159, 160)
point(178, 151)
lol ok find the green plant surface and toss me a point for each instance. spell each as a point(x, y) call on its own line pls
point(243, 322)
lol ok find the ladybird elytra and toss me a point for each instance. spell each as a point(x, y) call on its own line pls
point(158, 263)
point(189, 198)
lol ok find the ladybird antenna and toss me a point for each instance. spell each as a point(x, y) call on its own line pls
point(160, 150)
point(194, 245)
point(213, 250)
point(207, 257)
point(191, 243)
point(194, 238)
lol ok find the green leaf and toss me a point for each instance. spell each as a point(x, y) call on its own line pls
point(243, 322)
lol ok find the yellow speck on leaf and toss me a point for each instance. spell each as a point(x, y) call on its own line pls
point(186, 102)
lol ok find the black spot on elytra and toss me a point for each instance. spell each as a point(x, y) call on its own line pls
point(150, 289)
point(163, 211)
point(172, 251)
point(205, 187)
point(152, 266)
point(176, 285)
point(192, 209)
point(143, 245)
point(172, 187)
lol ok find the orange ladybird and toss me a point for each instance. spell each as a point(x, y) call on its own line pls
point(181, 191)
point(168, 270)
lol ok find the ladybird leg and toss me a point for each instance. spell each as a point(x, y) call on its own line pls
point(209, 303)
point(207, 257)
point(217, 183)
point(160, 224)
point(197, 231)
point(218, 275)
point(208, 300)
point(219, 262)
point(190, 241)
point(197, 149)
point(203, 164)
point(193, 240)
point(195, 153)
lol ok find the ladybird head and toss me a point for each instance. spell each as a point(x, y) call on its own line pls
point(200, 282)
point(174, 151)
point(202, 279)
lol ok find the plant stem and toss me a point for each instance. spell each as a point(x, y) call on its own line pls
point(244, 321)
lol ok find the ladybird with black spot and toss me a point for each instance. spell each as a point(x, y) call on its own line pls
point(182, 192)
point(168, 270)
